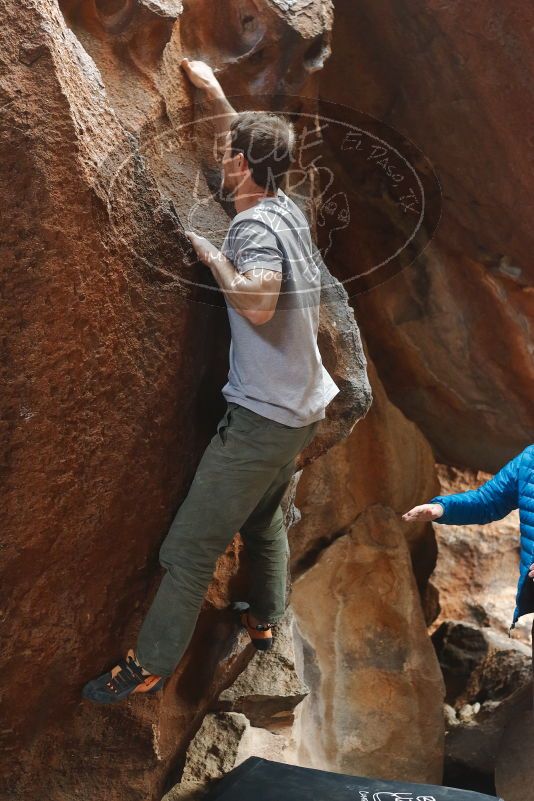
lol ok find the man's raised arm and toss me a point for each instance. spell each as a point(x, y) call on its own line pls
point(202, 76)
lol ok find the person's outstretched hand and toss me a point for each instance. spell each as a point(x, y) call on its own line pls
point(200, 74)
point(425, 512)
point(531, 571)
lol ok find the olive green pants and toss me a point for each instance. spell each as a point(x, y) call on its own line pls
point(238, 485)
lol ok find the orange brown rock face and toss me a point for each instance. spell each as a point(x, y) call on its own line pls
point(114, 377)
point(113, 364)
point(273, 48)
point(368, 467)
point(451, 335)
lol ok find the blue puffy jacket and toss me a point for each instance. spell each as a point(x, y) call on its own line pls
point(510, 488)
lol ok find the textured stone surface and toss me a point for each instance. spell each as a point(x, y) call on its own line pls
point(274, 47)
point(253, 716)
point(113, 364)
point(112, 375)
point(369, 467)
point(514, 770)
point(479, 664)
point(451, 335)
point(474, 740)
point(224, 740)
point(269, 688)
point(372, 670)
point(488, 677)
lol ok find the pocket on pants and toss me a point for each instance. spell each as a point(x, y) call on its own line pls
point(311, 434)
point(241, 422)
point(223, 424)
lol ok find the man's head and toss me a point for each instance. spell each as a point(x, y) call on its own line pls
point(259, 149)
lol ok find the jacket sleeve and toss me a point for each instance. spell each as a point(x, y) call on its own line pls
point(491, 501)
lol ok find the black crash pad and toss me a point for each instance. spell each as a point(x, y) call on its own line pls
point(262, 780)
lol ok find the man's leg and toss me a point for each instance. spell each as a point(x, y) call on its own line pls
point(237, 468)
point(239, 464)
point(265, 536)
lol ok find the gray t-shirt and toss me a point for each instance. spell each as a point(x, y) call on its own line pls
point(276, 368)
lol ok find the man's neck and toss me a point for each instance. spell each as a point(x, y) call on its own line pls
point(249, 199)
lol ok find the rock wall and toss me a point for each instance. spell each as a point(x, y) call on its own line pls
point(115, 349)
point(451, 335)
point(113, 366)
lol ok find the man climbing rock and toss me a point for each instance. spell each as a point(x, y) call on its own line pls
point(511, 488)
point(276, 394)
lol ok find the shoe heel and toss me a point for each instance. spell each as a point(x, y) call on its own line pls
point(259, 643)
point(262, 645)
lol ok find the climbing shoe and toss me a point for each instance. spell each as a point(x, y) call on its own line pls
point(260, 634)
point(125, 678)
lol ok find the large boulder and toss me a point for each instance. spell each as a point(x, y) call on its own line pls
point(488, 677)
point(368, 660)
point(479, 664)
point(224, 740)
point(254, 716)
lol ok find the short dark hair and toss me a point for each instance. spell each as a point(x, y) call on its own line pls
point(267, 141)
